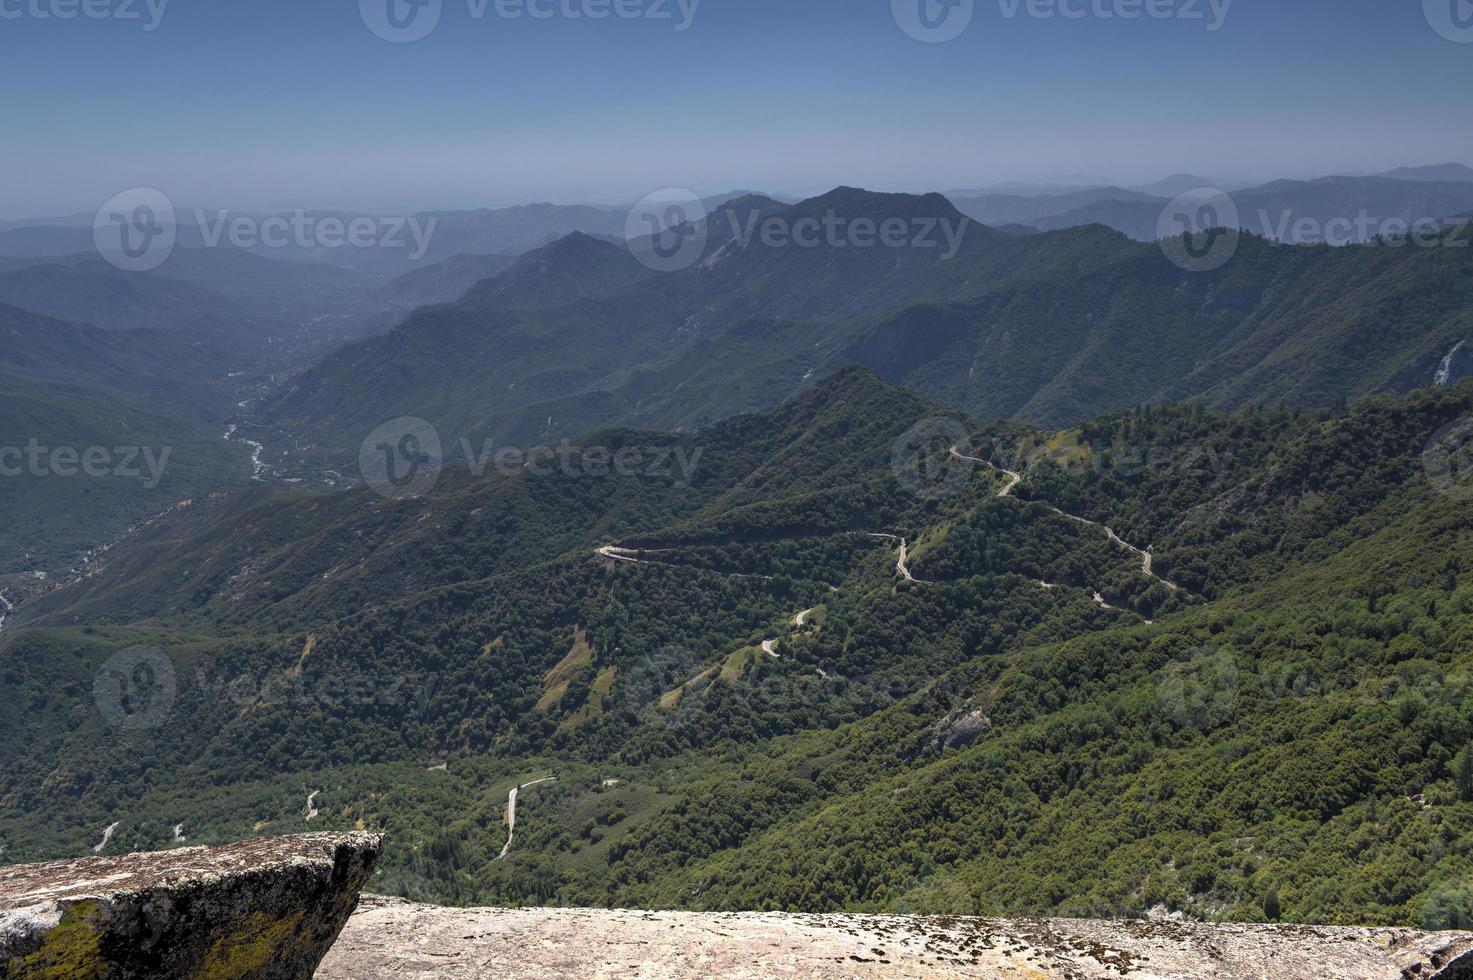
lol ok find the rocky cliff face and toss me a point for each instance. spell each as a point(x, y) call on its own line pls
point(272, 908)
point(264, 909)
point(388, 937)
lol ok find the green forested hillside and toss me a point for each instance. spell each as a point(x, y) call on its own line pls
point(154, 434)
point(745, 702)
point(1049, 329)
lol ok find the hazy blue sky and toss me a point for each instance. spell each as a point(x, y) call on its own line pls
point(296, 103)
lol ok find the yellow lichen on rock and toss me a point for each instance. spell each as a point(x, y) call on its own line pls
point(250, 950)
point(70, 951)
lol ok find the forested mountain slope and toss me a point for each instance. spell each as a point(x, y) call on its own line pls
point(1050, 329)
point(154, 433)
point(1186, 659)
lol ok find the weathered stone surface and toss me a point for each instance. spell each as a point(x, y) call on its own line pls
point(388, 937)
point(263, 909)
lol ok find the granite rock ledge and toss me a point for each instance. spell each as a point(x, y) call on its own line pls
point(263, 909)
point(389, 937)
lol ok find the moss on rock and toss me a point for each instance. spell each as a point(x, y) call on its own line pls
point(262, 909)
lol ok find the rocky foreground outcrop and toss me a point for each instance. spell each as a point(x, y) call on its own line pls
point(272, 908)
point(264, 909)
point(388, 937)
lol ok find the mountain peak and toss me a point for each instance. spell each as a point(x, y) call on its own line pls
point(573, 267)
point(749, 202)
point(858, 202)
point(573, 244)
point(860, 388)
point(1454, 172)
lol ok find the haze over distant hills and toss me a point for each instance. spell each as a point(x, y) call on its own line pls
point(1288, 210)
point(1002, 471)
point(313, 349)
point(1440, 172)
point(1048, 328)
point(1046, 519)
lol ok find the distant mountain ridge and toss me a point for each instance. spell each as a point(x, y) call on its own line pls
point(1436, 173)
point(1278, 209)
point(75, 388)
point(446, 234)
point(1048, 328)
point(443, 282)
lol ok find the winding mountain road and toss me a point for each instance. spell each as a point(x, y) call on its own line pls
point(901, 566)
point(1016, 478)
point(615, 553)
point(107, 835)
point(511, 811)
point(621, 554)
point(8, 610)
point(902, 563)
point(1013, 478)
